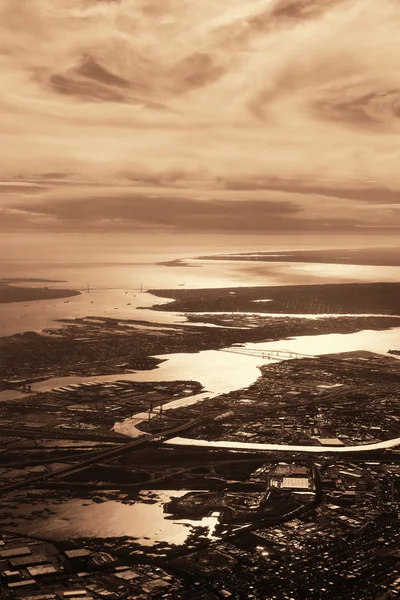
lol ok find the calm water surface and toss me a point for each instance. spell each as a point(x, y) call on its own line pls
point(144, 521)
point(222, 372)
point(115, 289)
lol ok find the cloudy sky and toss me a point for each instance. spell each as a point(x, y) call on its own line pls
point(250, 116)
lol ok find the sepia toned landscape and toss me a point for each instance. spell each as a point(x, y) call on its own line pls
point(199, 300)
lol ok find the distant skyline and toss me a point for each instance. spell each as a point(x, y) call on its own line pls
point(178, 116)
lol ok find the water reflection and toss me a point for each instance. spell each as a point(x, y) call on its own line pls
point(42, 314)
point(115, 289)
point(370, 340)
point(222, 372)
point(75, 518)
point(217, 371)
point(129, 426)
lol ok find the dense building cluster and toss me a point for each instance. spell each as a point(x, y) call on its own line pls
point(288, 524)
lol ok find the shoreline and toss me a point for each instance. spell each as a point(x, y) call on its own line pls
point(13, 291)
point(127, 344)
point(126, 348)
point(385, 256)
point(332, 298)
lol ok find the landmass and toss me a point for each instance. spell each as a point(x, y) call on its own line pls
point(99, 346)
point(275, 511)
point(178, 262)
point(345, 298)
point(329, 517)
point(10, 292)
point(389, 256)
point(349, 398)
point(96, 345)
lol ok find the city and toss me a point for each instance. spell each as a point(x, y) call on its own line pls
point(298, 472)
point(199, 300)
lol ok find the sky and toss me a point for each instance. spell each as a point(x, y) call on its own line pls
point(243, 117)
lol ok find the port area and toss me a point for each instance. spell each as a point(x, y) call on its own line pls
point(67, 418)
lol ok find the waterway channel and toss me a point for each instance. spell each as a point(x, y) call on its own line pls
point(222, 372)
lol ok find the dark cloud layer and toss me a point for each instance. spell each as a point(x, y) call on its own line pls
point(373, 195)
point(133, 212)
point(16, 188)
point(371, 110)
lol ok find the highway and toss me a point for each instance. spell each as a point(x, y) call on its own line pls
point(108, 454)
point(60, 434)
point(260, 447)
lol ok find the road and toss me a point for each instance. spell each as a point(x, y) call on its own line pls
point(108, 454)
point(285, 447)
point(60, 434)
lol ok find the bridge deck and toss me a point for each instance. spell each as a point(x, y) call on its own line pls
point(114, 452)
point(268, 354)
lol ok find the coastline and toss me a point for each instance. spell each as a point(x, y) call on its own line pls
point(16, 293)
point(337, 298)
point(122, 345)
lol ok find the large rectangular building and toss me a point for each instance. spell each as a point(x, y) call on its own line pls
point(295, 483)
point(24, 561)
point(12, 552)
point(290, 483)
point(330, 442)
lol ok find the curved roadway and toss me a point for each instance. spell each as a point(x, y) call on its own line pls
point(284, 447)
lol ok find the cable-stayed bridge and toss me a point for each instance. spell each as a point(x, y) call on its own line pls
point(267, 354)
point(279, 355)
